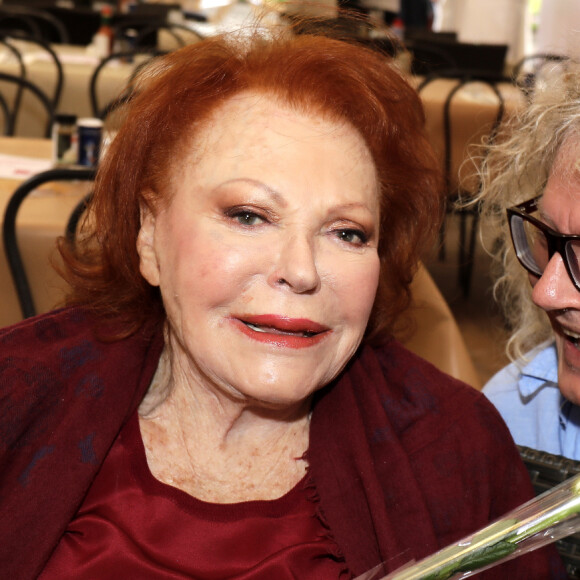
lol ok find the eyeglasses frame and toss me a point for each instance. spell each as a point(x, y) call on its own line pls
point(556, 241)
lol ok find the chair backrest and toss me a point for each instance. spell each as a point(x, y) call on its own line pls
point(9, 234)
point(463, 78)
point(37, 22)
point(459, 170)
point(10, 38)
point(6, 80)
point(75, 217)
point(546, 471)
point(22, 66)
point(100, 110)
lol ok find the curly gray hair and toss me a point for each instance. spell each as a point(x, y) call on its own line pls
point(515, 169)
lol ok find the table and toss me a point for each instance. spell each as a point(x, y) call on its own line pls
point(42, 218)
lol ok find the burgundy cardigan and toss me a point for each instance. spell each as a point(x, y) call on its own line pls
point(404, 458)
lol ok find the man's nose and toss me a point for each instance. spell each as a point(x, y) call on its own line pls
point(554, 290)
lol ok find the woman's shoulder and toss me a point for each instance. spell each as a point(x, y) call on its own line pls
point(425, 404)
point(39, 345)
point(435, 414)
point(41, 357)
point(56, 352)
point(410, 377)
point(457, 449)
point(42, 331)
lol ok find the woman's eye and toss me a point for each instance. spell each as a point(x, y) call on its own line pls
point(246, 218)
point(352, 236)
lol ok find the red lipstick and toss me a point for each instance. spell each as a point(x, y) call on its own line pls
point(282, 331)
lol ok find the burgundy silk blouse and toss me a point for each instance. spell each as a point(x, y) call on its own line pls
point(131, 525)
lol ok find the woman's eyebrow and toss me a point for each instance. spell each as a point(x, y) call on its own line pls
point(272, 193)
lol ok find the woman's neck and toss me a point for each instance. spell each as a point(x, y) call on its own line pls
point(219, 448)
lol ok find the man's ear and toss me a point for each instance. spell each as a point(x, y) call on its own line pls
point(146, 245)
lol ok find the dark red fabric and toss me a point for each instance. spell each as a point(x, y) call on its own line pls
point(403, 458)
point(63, 399)
point(423, 459)
point(130, 525)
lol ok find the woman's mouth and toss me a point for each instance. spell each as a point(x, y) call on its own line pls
point(273, 330)
point(282, 331)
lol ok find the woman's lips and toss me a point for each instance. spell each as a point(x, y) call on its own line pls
point(282, 331)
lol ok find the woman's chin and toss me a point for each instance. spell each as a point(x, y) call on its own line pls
point(279, 399)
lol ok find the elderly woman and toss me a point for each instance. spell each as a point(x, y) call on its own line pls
point(532, 187)
point(209, 404)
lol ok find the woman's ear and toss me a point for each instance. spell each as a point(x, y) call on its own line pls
point(148, 263)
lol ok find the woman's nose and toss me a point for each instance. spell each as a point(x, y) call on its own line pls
point(295, 266)
point(554, 290)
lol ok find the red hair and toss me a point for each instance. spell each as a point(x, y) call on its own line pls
point(315, 74)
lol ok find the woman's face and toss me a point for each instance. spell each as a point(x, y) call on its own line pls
point(554, 292)
point(266, 256)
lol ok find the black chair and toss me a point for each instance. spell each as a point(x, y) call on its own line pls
point(37, 22)
point(8, 38)
point(9, 236)
point(99, 110)
point(455, 191)
point(20, 89)
point(11, 114)
point(70, 232)
point(546, 471)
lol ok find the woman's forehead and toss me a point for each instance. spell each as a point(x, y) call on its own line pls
point(247, 115)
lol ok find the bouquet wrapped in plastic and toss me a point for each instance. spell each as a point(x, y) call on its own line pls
point(545, 519)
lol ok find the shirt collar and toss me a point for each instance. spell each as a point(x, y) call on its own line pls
point(542, 370)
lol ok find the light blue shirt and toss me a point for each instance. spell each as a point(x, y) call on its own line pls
point(530, 403)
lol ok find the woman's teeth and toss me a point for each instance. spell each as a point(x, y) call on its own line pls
point(272, 330)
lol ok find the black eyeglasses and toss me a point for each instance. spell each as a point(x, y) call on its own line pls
point(535, 243)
